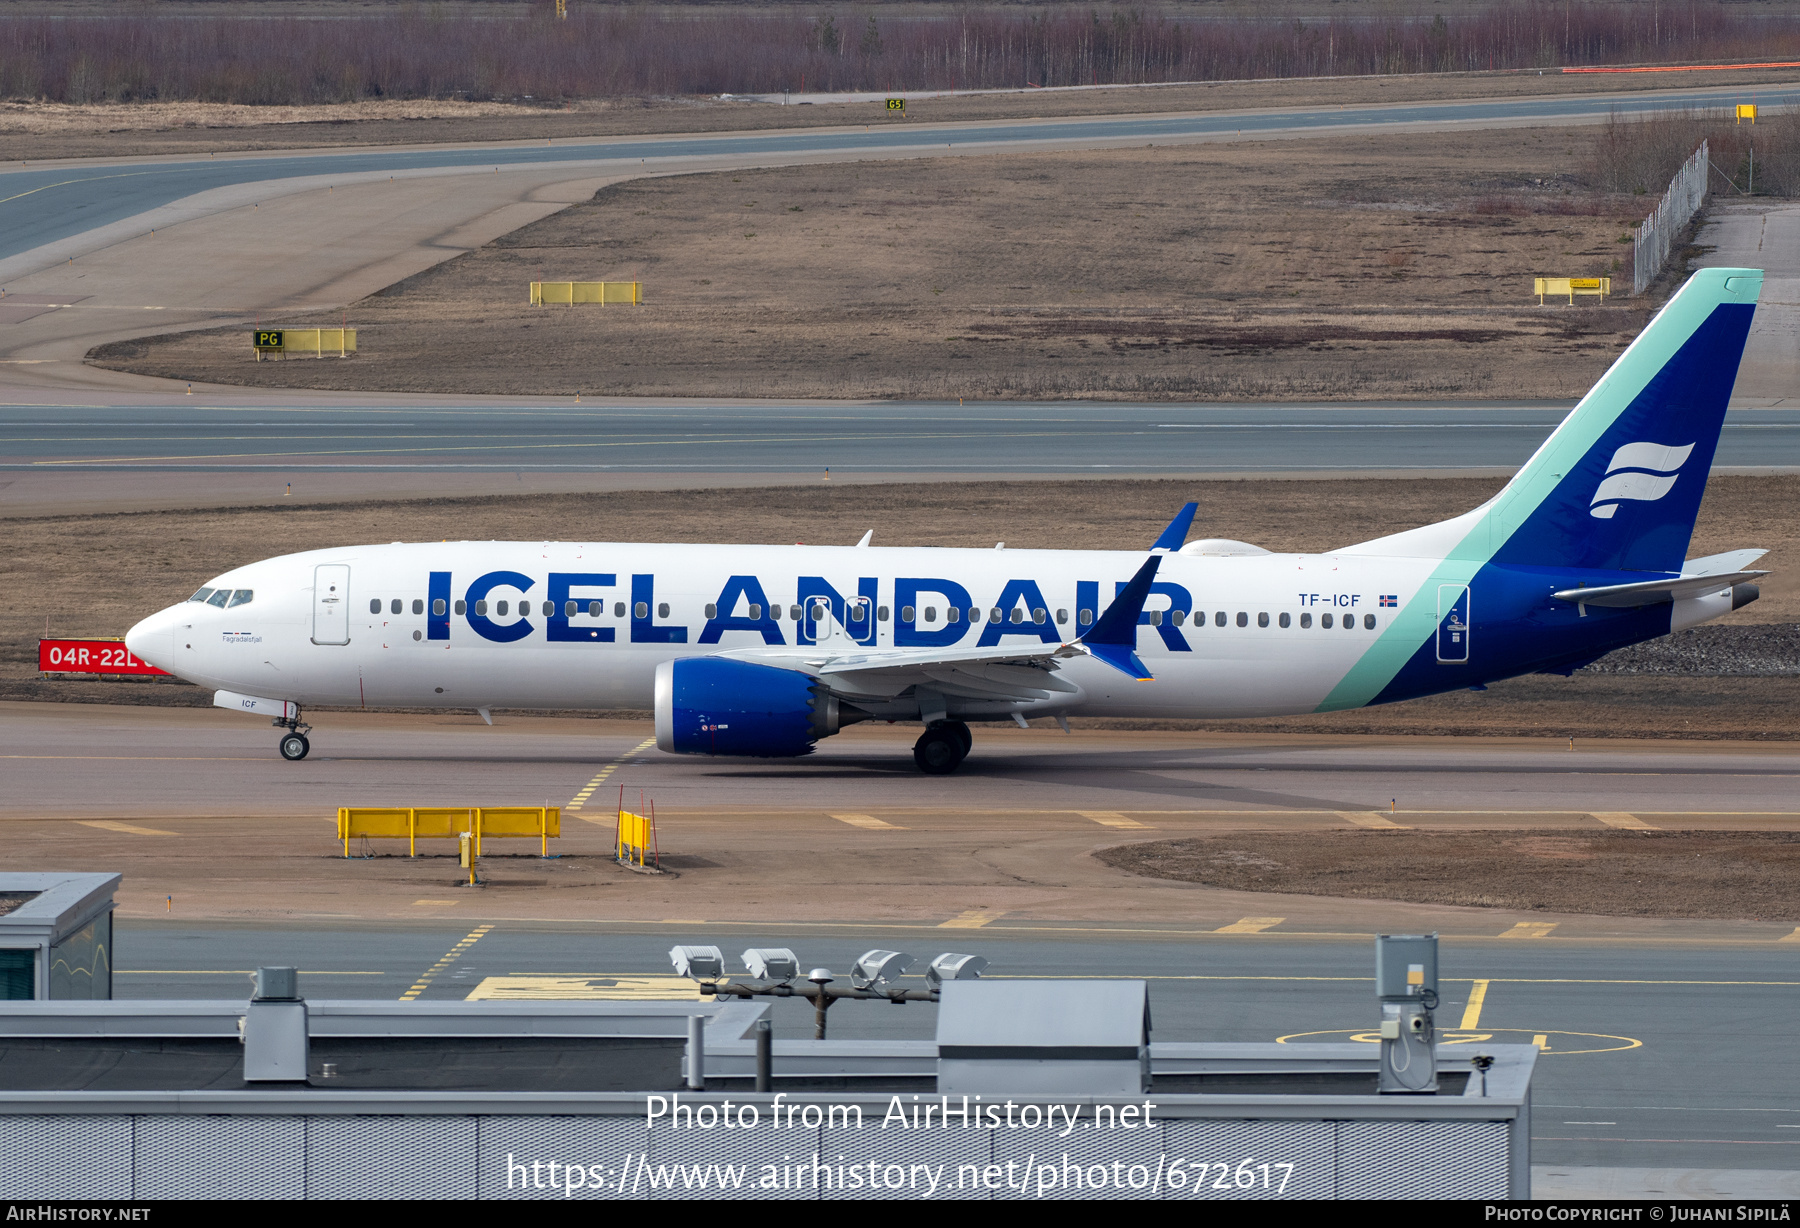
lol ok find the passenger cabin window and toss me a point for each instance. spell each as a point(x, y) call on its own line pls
point(1062, 618)
point(1084, 617)
point(201, 595)
point(394, 606)
point(712, 609)
point(500, 607)
point(462, 607)
point(437, 607)
point(859, 612)
point(993, 615)
point(1286, 619)
point(1038, 616)
point(1325, 621)
point(906, 613)
point(794, 613)
point(418, 605)
point(930, 613)
point(1176, 616)
point(662, 610)
point(1156, 618)
point(1368, 622)
point(1219, 619)
point(596, 609)
point(640, 610)
point(1243, 619)
point(618, 609)
point(1262, 619)
point(243, 596)
point(571, 608)
point(1016, 616)
point(374, 605)
point(481, 607)
point(755, 612)
point(881, 613)
point(1305, 621)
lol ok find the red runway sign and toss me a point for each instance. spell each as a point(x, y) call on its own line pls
point(91, 657)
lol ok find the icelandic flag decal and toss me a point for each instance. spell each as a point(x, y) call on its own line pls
point(1390, 601)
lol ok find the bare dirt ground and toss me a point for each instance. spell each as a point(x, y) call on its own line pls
point(31, 130)
point(94, 575)
point(1740, 875)
point(1341, 268)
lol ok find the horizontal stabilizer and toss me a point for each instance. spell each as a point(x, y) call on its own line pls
point(1655, 592)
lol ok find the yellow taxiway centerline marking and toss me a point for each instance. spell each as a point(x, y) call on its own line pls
point(1472, 1012)
point(451, 956)
point(973, 919)
point(416, 903)
point(1531, 929)
point(130, 829)
point(869, 821)
point(1110, 818)
point(587, 790)
point(1629, 821)
point(1793, 937)
point(1371, 819)
point(1250, 925)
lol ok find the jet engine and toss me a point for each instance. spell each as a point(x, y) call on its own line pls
point(710, 706)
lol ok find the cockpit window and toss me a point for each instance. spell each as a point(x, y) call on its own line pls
point(242, 596)
point(219, 598)
point(202, 595)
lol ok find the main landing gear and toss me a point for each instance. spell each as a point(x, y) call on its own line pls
point(943, 746)
point(293, 743)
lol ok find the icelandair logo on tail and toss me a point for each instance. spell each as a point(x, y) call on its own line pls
point(1643, 471)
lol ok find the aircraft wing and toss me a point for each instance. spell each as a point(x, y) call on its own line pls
point(850, 669)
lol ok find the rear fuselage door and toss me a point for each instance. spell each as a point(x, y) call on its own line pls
point(331, 604)
point(1453, 624)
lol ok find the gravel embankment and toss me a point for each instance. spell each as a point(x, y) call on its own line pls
point(1758, 650)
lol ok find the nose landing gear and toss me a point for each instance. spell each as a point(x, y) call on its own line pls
point(943, 746)
point(294, 745)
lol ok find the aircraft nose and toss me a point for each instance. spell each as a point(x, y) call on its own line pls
point(153, 639)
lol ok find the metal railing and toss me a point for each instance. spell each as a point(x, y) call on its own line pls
point(1656, 237)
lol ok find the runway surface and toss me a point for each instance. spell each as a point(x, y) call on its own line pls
point(998, 438)
point(1653, 1057)
point(42, 205)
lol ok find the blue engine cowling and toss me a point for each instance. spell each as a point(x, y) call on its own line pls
point(709, 706)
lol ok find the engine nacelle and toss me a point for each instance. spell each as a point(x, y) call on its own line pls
point(710, 706)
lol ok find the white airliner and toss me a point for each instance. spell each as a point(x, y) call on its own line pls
point(763, 650)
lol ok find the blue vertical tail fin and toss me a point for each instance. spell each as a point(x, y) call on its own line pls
point(1619, 483)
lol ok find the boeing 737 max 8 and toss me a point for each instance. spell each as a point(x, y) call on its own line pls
point(763, 650)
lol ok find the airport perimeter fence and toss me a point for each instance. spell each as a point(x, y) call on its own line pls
point(1656, 237)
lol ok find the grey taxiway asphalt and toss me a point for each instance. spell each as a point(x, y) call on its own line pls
point(45, 204)
point(1652, 1056)
point(297, 436)
point(138, 762)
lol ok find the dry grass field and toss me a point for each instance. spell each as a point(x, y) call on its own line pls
point(40, 130)
point(1342, 268)
point(95, 575)
point(1749, 875)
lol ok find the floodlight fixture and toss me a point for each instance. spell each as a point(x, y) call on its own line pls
point(876, 968)
point(772, 964)
point(953, 967)
point(698, 963)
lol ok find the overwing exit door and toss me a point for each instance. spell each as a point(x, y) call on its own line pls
point(1453, 624)
point(331, 604)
